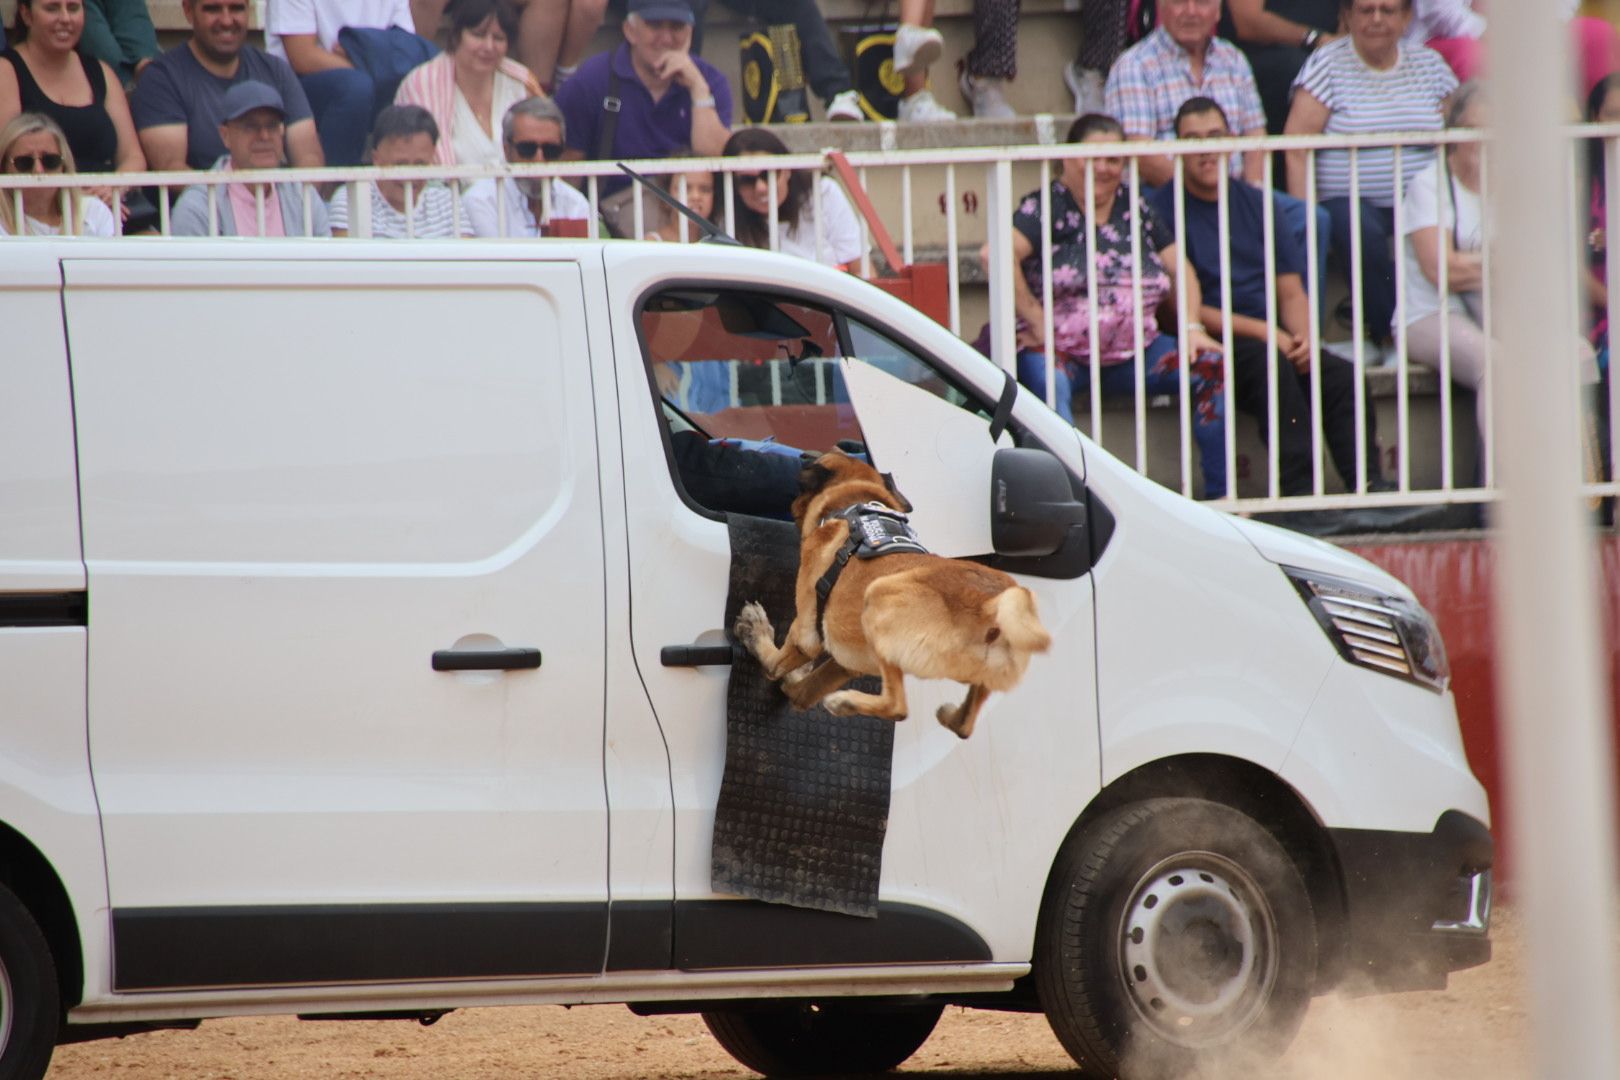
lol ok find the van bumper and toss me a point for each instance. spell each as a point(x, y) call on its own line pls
point(1417, 905)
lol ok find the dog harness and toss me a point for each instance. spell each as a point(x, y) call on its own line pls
point(874, 531)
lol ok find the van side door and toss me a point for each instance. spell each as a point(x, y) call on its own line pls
point(344, 549)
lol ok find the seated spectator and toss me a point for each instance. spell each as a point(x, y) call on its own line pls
point(1456, 31)
point(917, 45)
point(33, 144)
point(698, 195)
point(179, 104)
point(44, 72)
point(1447, 222)
point(1105, 31)
point(1602, 107)
point(1278, 36)
point(1181, 59)
point(839, 243)
point(551, 36)
point(1073, 298)
point(346, 92)
point(253, 133)
point(119, 33)
point(472, 84)
point(824, 67)
point(669, 99)
point(1369, 82)
point(1290, 365)
point(532, 131)
point(404, 135)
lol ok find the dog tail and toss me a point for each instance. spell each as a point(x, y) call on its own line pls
point(1013, 611)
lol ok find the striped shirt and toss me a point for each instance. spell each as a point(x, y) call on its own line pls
point(1362, 101)
point(434, 215)
point(1153, 78)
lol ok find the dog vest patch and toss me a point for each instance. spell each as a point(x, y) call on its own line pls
point(874, 530)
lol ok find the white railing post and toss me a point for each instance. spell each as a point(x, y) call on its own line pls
point(999, 211)
point(1554, 708)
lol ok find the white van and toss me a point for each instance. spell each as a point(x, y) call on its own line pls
point(336, 584)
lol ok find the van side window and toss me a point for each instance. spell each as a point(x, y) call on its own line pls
point(885, 354)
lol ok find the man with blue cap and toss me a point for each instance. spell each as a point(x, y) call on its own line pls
point(649, 98)
point(254, 133)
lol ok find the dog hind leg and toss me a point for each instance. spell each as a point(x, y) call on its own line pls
point(888, 704)
point(806, 689)
point(961, 718)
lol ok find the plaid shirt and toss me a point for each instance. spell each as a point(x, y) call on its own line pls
point(1152, 79)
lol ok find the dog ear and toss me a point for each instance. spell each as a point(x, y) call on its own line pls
point(813, 477)
point(905, 503)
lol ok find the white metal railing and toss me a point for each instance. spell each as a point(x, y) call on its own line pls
point(994, 168)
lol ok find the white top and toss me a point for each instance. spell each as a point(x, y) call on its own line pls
point(482, 213)
point(1462, 216)
point(433, 217)
point(1444, 19)
point(98, 221)
point(840, 230)
point(467, 138)
point(1365, 101)
point(324, 18)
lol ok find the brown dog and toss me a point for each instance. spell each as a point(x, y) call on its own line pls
point(896, 614)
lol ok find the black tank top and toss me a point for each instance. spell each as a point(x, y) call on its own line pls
point(89, 130)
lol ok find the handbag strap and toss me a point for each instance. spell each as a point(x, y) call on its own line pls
point(612, 104)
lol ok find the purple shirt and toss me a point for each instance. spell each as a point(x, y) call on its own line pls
point(647, 129)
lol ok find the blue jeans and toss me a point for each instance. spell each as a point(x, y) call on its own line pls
point(1161, 376)
point(343, 101)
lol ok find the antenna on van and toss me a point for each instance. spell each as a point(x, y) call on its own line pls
point(712, 233)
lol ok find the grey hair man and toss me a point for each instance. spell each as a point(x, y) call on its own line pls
point(532, 132)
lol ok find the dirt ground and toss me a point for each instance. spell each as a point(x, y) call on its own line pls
point(1477, 1029)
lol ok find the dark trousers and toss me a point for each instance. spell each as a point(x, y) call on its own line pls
point(1274, 69)
point(1250, 375)
point(343, 101)
point(824, 67)
point(1377, 261)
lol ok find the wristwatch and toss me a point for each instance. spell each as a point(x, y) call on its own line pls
point(704, 102)
point(1312, 37)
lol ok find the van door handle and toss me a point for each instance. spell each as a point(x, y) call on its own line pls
point(695, 655)
point(514, 659)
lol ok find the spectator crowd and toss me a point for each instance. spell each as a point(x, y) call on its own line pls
point(84, 88)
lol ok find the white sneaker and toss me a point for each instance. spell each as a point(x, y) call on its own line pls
point(845, 106)
point(921, 108)
point(1086, 84)
point(985, 97)
point(915, 47)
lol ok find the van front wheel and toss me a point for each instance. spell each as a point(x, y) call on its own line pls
point(1174, 931)
point(818, 1039)
point(30, 1007)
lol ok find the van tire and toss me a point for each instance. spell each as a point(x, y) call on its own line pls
point(30, 1004)
point(1174, 932)
point(823, 1039)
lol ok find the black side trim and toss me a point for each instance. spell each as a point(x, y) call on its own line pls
point(171, 948)
point(749, 934)
point(44, 609)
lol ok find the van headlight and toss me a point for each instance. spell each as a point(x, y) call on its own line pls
point(1371, 628)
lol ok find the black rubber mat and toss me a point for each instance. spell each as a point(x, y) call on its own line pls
point(804, 802)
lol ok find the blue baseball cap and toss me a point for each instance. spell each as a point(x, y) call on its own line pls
point(248, 95)
point(663, 11)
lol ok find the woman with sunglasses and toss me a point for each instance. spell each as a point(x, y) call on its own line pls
point(796, 193)
point(33, 144)
point(404, 135)
point(472, 84)
point(45, 73)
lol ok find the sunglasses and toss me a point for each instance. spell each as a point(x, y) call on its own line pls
point(749, 179)
point(527, 148)
point(24, 163)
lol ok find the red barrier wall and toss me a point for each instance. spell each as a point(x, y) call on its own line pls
point(1453, 579)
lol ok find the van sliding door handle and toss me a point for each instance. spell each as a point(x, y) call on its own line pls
point(695, 656)
point(514, 659)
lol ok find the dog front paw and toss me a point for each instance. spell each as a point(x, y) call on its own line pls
point(753, 627)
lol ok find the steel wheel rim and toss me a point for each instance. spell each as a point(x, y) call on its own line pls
point(1198, 949)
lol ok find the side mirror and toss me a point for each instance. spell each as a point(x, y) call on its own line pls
point(1033, 510)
